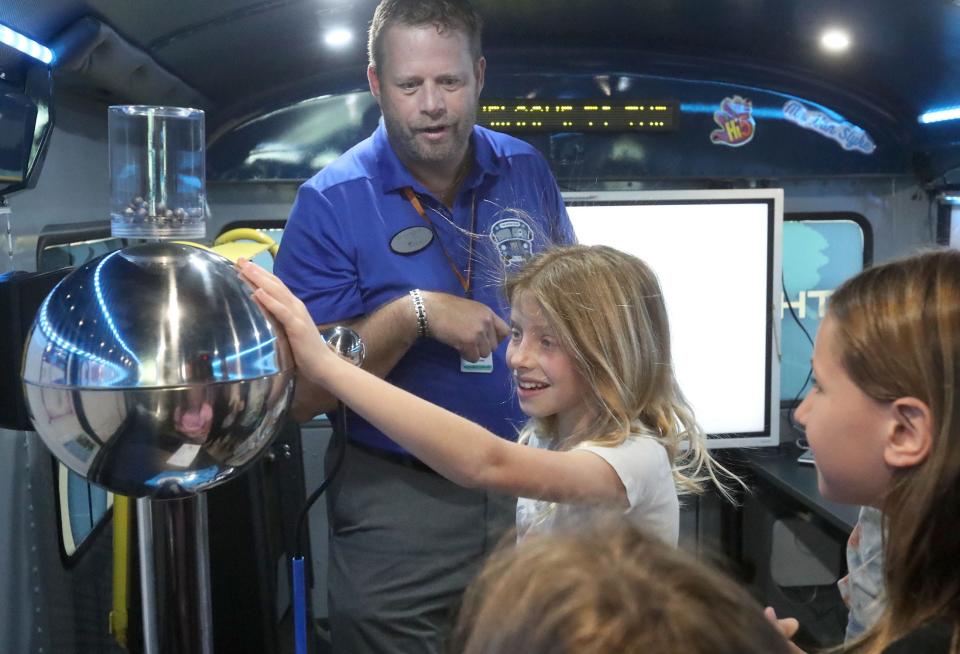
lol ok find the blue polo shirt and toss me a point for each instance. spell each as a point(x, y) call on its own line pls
point(336, 256)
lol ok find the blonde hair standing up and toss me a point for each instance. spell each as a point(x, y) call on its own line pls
point(608, 311)
point(607, 589)
point(898, 329)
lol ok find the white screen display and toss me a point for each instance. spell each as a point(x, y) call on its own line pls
point(715, 260)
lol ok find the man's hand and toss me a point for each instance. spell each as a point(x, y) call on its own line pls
point(471, 328)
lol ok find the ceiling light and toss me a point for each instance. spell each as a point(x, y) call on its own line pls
point(23, 44)
point(337, 37)
point(835, 40)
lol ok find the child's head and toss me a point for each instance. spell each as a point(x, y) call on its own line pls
point(883, 417)
point(608, 589)
point(886, 368)
point(606, 310)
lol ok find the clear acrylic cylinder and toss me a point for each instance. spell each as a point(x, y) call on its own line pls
point(157, 172)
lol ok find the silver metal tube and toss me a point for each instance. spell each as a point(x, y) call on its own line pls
point(175, 576)
point(148, 591)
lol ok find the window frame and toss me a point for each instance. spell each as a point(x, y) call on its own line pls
point(825, 216)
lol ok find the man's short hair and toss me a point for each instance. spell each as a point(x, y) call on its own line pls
point(458, 15)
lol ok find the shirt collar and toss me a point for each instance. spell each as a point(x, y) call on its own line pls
point(394, 175)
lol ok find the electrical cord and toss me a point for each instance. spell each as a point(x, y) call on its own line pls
point(796, 398)
point(339, 445)
point(347, 344)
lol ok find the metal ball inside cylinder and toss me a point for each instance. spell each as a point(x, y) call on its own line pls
point(152, 372)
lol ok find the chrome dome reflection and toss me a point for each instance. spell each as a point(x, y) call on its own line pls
point(151, 371)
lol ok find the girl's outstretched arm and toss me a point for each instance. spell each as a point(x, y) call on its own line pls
point(458, 449)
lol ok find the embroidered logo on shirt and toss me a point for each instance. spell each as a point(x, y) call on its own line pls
point(514, 240)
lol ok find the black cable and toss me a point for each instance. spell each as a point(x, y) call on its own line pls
point(796, 398)
point(339, 443)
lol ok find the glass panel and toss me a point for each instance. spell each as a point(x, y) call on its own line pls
point(818, 255)
point(294, 142)
point(86, 506)
point(61, 255)
point(82, 507)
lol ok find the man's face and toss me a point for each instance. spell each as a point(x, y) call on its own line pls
point(427, 86)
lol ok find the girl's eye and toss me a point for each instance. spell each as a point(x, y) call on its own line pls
point(546, 343)
point(515, 334)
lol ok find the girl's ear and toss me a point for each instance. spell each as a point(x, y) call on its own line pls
point(911, 437)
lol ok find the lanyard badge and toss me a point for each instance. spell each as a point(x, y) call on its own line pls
point(484, 364)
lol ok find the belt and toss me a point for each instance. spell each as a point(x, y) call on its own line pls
point(397, 458)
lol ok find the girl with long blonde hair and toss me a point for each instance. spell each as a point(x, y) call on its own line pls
point(590, 353)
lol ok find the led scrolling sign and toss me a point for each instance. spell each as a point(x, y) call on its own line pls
point(543, 115)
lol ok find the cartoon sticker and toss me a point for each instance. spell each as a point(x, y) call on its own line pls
point(735, 119)
point(849, 136)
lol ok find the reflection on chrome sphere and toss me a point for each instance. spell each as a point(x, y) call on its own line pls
point(151, 372)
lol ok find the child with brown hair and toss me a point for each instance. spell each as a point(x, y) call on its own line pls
point(883, 420)
point(605, 589)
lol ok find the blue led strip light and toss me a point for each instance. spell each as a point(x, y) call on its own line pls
point(25, 45)
point(939, 115)
point(103, 308)
point(47, 329)
point(710, 109)
point(262, 363)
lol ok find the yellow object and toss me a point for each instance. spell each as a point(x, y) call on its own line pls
point(241, 242)
point(119, 616)
point(237, 243)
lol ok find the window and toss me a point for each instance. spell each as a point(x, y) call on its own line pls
point(294, 142)
point(820, 251)
point(60, 246)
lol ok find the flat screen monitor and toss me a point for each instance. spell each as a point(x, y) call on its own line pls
point(717, 255)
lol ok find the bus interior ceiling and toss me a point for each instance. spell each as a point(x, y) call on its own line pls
point(243, 60)
point(838, 132)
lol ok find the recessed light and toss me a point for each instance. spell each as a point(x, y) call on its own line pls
point(835, 40)
point(337, 37)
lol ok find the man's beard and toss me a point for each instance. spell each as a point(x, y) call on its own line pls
point(411, 147)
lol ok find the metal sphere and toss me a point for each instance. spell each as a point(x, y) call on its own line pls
point(152, 372)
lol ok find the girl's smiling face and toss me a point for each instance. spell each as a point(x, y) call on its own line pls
point(846, 428)
point(548, 382)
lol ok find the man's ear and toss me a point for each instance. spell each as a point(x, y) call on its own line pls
point(480, 69)
point(911, 437)
point(374, 81)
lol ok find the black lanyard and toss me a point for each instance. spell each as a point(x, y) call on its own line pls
point(464, 280)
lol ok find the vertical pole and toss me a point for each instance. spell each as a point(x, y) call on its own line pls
point(175, 575)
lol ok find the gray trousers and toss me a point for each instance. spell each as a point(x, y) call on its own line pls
point(404, 543)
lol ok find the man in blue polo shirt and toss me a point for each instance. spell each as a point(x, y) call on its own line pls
point(407, 238)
